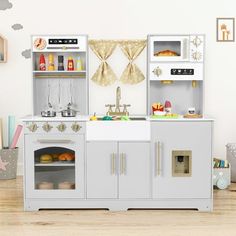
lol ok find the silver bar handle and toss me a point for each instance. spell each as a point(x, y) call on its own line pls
point(113, 163)
point(54, 141)
point(158, 159)
point(121, 164)
point(124, 163)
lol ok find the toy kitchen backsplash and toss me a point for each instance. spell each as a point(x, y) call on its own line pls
point(76, 76)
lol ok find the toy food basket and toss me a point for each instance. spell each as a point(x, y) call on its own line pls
point(231, 157)
point(8, 163)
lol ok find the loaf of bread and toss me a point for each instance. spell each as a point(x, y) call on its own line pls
point(165, 53)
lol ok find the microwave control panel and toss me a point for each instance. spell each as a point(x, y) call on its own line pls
point(182, 71)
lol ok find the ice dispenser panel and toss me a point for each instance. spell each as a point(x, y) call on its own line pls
point(181, 163)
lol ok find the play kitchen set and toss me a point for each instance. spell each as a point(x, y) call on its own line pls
point(118, 161)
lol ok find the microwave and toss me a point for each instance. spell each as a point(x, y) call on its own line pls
point(175, 48)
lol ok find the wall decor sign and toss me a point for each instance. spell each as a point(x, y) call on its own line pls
point(225, 30)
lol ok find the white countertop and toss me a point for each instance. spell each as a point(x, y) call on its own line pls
point(31, 118)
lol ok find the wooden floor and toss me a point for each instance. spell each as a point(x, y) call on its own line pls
point(14, 221)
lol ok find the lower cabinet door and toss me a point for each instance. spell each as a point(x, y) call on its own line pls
point(102, 170)
point(134, 168)
point(47, 173)
point(182, 159)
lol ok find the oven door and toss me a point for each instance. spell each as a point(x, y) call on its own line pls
point(54, 166)
point(168, 48)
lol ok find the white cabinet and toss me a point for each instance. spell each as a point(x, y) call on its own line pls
point(118, 170)
point(182, 162)
point(101, 173)
point(134, 180)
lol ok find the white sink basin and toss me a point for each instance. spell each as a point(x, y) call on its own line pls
point(118, 130)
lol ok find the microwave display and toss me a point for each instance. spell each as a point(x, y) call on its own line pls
point(63, 41)
point(182, 71)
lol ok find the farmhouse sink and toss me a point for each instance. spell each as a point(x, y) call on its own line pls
point(137, 129)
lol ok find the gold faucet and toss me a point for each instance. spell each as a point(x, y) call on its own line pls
point(117, 111)
point(118, 97)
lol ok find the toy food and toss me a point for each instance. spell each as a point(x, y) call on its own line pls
point(55, 156)
point(168, 107)
point(66, 157)
point(70, 64)
point(107, 118)
point(165, 53)
point(45, 158)
point(42, 63)
point(45, 185)
point(51, 62)
point(66, 185)
point(157, 107)
point(94, 117)
point(124, 118)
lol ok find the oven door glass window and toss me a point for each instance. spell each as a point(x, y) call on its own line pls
point(54, 168)
point(167, 48)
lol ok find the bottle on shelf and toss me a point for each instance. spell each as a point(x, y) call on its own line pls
point(79, 64)
point(61, 62)
point(51, 65)
point(42, 63)
point(70, 64)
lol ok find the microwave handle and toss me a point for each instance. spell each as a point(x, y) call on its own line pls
point(185, 48)
point(54, 141)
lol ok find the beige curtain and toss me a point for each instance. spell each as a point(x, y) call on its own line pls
point(104, 75)
point(132, 49)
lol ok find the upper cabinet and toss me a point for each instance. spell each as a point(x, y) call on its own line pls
point(60, 72)
point(3, 49)
point(176, 72)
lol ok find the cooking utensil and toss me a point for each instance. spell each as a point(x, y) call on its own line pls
point(69, 112)
point(48, 113)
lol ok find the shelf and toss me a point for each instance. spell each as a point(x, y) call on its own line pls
point(59, 74)
point(3, 49)
point(176, 80)
point(56, 163)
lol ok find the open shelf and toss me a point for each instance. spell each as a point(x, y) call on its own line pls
point(59, 74)
point(3, 49)
point(56, 163)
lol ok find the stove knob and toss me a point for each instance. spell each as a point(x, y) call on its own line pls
point(157, 71)
point(76, 127)
point(47, 127)
point(32, 127)
point(61, 127)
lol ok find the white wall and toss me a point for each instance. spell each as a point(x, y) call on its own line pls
point(123, 19)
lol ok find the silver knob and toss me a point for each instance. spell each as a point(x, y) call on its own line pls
point(61, 127)
point(157, 71)
point(75, 127)
point(32, 127)
point(47, 127)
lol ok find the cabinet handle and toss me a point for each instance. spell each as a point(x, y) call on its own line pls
point(113, 163)
point(158, 159)
point(124, 163)
point(54, 140)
